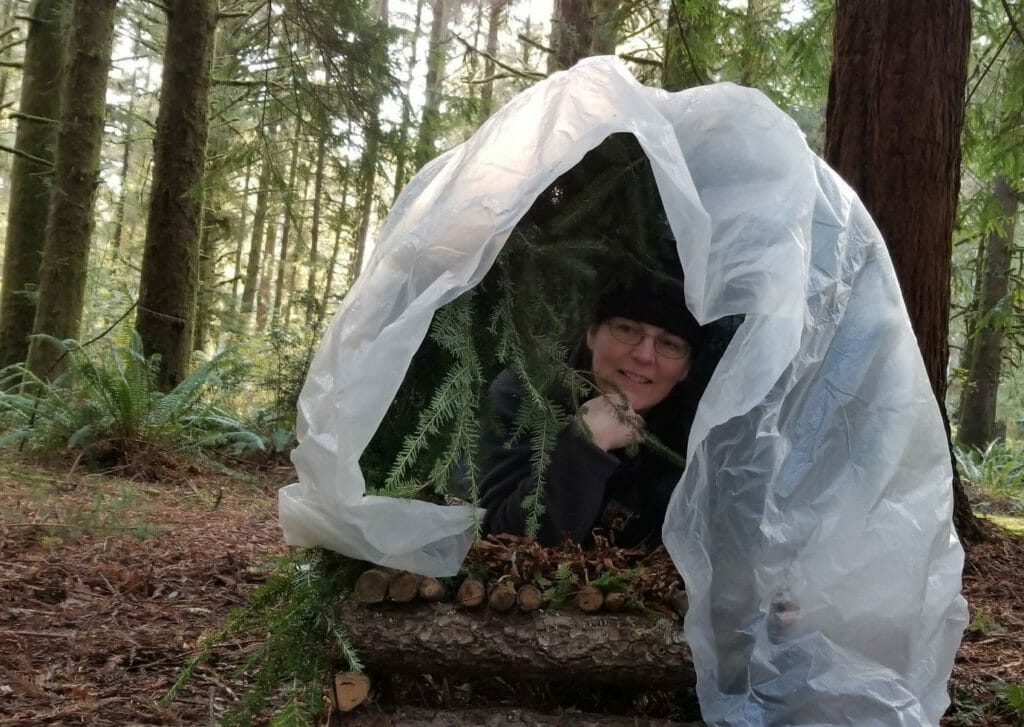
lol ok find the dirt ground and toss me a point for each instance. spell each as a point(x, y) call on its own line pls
point(107, 584)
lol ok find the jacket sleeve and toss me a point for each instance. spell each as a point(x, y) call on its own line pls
point(574, 486)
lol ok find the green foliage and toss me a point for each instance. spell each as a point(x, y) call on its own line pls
point(1014, 696)
point(618, 582)
point(295, 614)
point(997, 472)
point(563, 588)
point(106, 405)
point(984, 624)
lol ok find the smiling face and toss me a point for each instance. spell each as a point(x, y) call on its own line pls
point(637, 370)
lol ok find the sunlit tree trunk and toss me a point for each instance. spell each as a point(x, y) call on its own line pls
point(314, 227)
point(894, 117)
point(75, 177)
point(286, 225)
point(976, 425)
point(401, 147)
point(31, 174)
point(252, 266)
point(430, 123)
point(170, 262)
point(263, 300)
point(494, 19)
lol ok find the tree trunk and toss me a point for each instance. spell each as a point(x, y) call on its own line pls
point(981, 388)
point(430, 124)
point(314, 228)
point(619, 649)
point(498, 8)
point(31, 179)
point(367, 179)
point(252, 266)
point(263, 300)
point(894, 116)
point(70, 217)
point(170, 262)
point(286, 225)
point(401, 146)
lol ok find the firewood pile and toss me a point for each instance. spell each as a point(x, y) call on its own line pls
point(507, 573)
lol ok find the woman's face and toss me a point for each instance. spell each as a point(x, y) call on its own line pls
point(637, 370)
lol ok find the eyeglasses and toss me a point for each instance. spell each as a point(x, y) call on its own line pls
point(633, 334)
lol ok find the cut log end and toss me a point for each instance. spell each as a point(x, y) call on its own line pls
point(404, 587)
point(471, 593)
point(615, 602)
point(590, 599)
point(502, 597)
point(372, 585)
point(431, 590)
point(351, 689)
point(529, 597)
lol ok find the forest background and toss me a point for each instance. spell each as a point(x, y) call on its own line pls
point(190, 187)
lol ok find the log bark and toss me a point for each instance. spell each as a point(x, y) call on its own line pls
point(623, 650)
point(430, 717)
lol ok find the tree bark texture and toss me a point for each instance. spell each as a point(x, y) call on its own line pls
point(70, 217)
point(981, 388)
point(252, 265)
point(30, 179)
point(582, 28)
point(374, 716)
point(620, 649)
point(437, 56)
point(894, 116)
point(170, 262)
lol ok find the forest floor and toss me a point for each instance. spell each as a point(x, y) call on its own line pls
point(107, 584)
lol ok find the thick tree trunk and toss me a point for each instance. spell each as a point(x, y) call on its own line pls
point(70, 218)
point(367, 179)
point(401, 146)
point(30, 179)
point(263, 300)
point(170, 262)
point(894, 117)
point(981, 389)
point(620, 649)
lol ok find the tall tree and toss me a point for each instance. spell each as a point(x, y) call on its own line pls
point(430, 124)
point(582, 28)
point(31, 172)
point(69, 223)
point(894, 117)
point(167, 289)
point(977, 417)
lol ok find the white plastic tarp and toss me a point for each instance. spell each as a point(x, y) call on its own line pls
point(813, 523)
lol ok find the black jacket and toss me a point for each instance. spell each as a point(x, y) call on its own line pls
point(585, 487)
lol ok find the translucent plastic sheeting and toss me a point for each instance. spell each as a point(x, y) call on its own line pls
point(813, 523)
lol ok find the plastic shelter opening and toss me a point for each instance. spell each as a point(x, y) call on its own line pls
point(812, 525)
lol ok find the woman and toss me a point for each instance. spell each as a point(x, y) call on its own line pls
point(638, 351)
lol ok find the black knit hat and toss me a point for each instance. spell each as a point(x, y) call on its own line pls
point(651, 298)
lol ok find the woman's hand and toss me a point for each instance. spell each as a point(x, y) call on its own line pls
point(611, 422)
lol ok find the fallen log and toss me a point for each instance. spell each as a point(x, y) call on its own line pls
point(626, 649)
point(497, 717)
